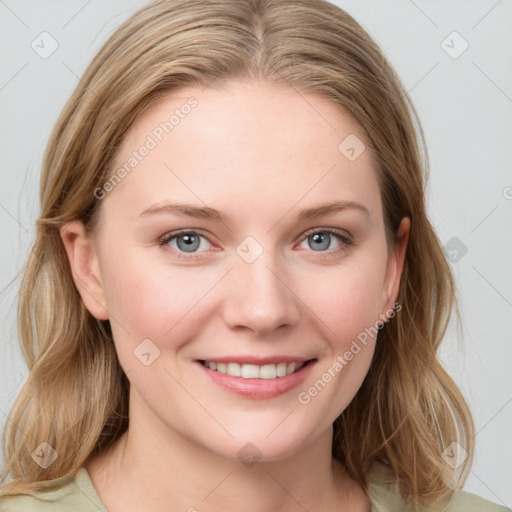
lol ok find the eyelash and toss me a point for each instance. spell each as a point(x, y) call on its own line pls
point(346, 241)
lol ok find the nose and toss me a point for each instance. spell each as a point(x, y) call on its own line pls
point(260, 297)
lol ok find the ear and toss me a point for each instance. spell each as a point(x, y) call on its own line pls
point(395, 264)
point(84, 264)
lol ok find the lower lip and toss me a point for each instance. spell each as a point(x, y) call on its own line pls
point(259, 388)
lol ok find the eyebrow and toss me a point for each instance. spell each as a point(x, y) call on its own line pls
point(213, 214)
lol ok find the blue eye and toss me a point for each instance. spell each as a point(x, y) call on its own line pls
point(322, 240)
point(186, 241)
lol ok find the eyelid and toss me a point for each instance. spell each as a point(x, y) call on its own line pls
point(185, 231)
point(335, 231)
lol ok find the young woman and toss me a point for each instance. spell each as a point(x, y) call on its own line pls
point(235, 298)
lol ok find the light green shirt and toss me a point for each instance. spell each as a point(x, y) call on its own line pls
point(79, 495)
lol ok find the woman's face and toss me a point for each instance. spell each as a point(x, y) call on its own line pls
point(249, 233)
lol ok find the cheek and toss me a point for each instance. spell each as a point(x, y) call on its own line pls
point(348, 299)
point(147, 301)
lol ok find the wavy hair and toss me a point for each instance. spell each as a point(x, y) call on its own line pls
point(408, 409)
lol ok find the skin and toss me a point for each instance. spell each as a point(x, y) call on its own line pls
point(259, 154)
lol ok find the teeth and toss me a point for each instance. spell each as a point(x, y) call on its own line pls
point(252, 371)
point(281, 369)
point(234, 369)
point(268, 371)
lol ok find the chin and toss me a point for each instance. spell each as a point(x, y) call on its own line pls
point(261, 443)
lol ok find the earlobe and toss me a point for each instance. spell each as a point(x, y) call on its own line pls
point(83, 261)
point(395, 264)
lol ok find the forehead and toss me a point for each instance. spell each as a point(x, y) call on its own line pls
point(252, 113)
point(241, 142)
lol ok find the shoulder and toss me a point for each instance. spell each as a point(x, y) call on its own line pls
point(72, 492)
point(468, 502)
point(385, 496)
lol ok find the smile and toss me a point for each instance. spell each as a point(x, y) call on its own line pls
point(257, 381)
point(253, 371)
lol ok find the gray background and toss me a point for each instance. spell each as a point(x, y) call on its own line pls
point(465, 105)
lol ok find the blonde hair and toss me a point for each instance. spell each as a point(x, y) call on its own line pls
point(75, 398)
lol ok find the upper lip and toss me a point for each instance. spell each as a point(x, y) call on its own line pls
point(258, 361)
